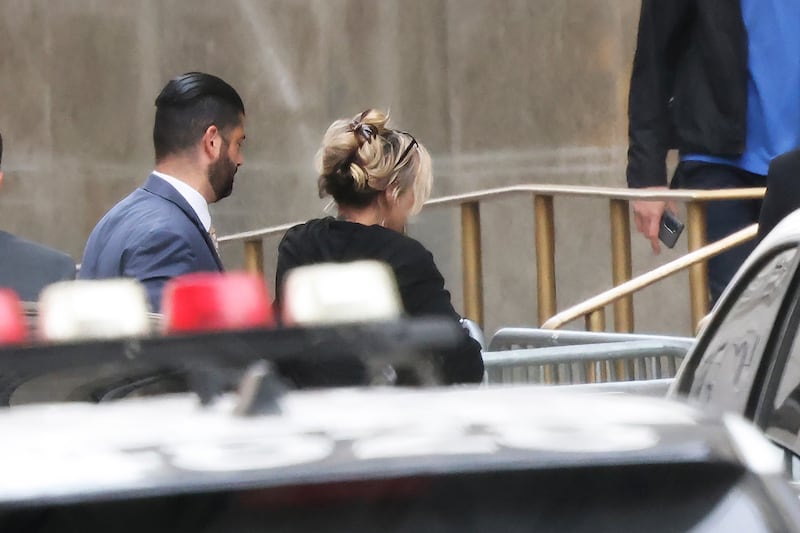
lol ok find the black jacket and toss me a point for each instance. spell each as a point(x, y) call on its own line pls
point(28, 267)
point(688, 86)
point(783, 192)
point(420, 283)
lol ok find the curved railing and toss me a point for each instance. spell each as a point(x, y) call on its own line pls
point(593, 309)
point(544, 242)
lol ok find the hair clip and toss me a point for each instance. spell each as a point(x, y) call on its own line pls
point(365, 132)
point(358, 121)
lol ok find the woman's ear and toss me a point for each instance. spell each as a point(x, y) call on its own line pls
point(393, 196)
point(385, 199)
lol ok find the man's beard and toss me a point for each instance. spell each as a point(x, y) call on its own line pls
point(220, 174)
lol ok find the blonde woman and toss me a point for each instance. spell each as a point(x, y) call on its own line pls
point(378, 177)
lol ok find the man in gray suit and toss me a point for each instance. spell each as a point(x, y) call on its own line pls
point(163, 229)
point(28, 267)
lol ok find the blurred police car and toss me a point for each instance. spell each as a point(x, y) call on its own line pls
point(381, 459)
point(370, 459)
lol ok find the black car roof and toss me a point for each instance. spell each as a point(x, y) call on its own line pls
point(172, 444)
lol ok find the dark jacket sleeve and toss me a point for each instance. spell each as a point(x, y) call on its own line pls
point(422, 287)
point(661, 37)
point(286, 262)
point(28, 267)
point(783, 192)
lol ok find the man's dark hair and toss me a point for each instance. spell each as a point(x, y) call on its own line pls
point(187, 106)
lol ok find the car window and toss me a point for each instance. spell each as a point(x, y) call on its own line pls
point(782, 417)
point(724, 376)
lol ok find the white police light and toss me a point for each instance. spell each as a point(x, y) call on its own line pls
point(335, 293)
point(93, 309)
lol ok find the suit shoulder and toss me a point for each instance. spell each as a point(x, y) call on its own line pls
point(34, 250)
point(14, 240)
point(142, 212)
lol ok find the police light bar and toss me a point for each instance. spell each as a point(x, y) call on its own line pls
point(93, 309)
point(213, 301)
point(338, 293)
point(12, 318)
point(212, 361)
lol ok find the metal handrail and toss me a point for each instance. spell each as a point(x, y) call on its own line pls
point(611, 193)
point(596, 304)
point(544, 236)
point(259, 233)
point(656, 388)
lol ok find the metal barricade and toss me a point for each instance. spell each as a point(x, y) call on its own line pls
point(652, 387)
point(599, 362)
point(510, 338)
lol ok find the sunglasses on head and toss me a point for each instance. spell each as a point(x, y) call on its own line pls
point(402, 159)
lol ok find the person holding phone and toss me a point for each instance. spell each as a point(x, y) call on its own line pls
point(719, 82)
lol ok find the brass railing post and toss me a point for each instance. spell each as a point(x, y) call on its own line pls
point(254, 256)
point(698, 273)
point(621, 263)
point(591, 371)
point(544, 228)
point(597, 371)
point(648, 278)
point(596, 320)
point(471, 261)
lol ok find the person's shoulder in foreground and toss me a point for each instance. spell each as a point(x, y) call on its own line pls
point(163, 229)
point(27, 267)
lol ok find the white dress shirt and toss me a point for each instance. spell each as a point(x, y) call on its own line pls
point(194, 198)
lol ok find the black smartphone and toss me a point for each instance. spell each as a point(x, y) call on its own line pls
point(670, 229)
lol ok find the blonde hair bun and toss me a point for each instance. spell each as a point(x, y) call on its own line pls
point(359, 158)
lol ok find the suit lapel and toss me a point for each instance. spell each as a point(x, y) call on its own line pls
point(159, 187)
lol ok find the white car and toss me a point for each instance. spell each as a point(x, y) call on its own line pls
point(747, 357)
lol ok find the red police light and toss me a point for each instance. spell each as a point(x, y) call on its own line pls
point(12, 318)
point(212, 301)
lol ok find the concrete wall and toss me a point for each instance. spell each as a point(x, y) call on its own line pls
point(500, 91)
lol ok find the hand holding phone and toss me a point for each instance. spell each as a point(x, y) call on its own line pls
point(670, 229)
